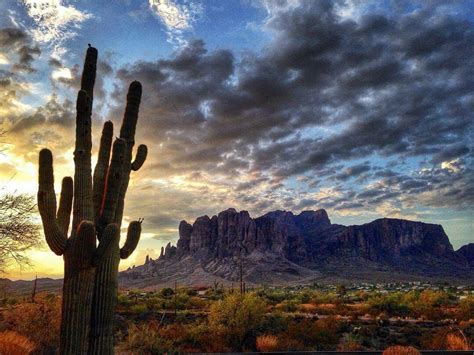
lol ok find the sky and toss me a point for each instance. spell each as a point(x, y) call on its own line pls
point(363, 108)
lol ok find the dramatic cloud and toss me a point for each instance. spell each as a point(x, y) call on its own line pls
point(176, 17)
point(16, 48)
point(362, 108)
point(55, 22)
point(327, 90)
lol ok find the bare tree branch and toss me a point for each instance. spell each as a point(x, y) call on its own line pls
point(18, 230)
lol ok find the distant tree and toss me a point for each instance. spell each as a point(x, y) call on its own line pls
point(341, 290)
point(167, 292)
point(18, 230)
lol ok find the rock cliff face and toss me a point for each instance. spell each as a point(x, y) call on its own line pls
point(308, 245)
point(467, 252)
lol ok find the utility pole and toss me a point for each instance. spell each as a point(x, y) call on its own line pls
point(241, 278)
point(175, 299)
point(33, 294)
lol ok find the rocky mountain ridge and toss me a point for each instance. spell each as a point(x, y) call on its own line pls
point(281, 246)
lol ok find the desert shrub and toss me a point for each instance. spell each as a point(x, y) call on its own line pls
point(321, 334)
point(428, 304)
point(391, 305)
point(307, 308)
point(265, 343)
point(12, 343)
point(286, 343)
point(196, 303)
point(304, 297)
point(179, 336)
point(456, 342)
point(447, 339)
point(326, 308)
point(236, 319)
point(350, 342)
point(123, 301)
point(274, 323)
point(155, 303)
point(287, 306)
point(145, 339)
point(39, 321)
point(466, 308)
point(202, 339)
point(401, 350)
point(167, 292)
point(434, 298)
point(273, 296)
point(319, 297)
point(139, 308)
point(8, 301)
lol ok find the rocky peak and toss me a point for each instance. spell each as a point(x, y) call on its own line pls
point(185, 230)
point(389, 238)
point(467, 252)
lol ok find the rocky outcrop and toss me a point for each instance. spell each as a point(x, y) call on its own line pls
point(467, 252)
point(185, 230)
point(308, 243)
point(390, 239)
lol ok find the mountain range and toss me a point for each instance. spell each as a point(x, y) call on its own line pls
point(285, 248)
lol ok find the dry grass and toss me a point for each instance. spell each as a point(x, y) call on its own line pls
point(456, 342)
point(307, 308)
point(401, 350)
point(266, 343)
point(12, 343)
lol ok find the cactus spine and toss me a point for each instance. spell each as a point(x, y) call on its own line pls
point(90, 272)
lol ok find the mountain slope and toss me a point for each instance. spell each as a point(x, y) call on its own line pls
point(281, 247)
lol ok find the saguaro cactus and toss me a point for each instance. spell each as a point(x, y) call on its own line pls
point(90, 272)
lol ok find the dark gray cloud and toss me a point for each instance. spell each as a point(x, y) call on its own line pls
point(324, 92)
point(52, 113)
point(16, 42)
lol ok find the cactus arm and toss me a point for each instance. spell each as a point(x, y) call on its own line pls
point(100, 171)
point(83, 203)
point(55, 238)
point(127, 132)
point(65, 205)
point(133, 236)
point(83, 206)
point(110, 238)
point(89, 73)
point(140, 157)
point(129, 124)
point(112, 185)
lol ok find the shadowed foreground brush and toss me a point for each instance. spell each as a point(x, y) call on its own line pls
point(401, 350)
point(97, 203)
point(12, 343)
point(266, 343)
point(456, 342)
point(38, 321)
point(146, 339)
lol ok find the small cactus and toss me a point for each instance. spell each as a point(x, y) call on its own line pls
point(90, 271)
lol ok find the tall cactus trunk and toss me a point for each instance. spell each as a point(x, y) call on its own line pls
point(77, 291)
point(104, 303)
point(90, 273)
point(106, 279)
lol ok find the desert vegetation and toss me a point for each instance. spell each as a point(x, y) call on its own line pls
point(263, 319)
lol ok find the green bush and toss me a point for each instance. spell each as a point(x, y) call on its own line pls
point(236, 319)
point(145, 339)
